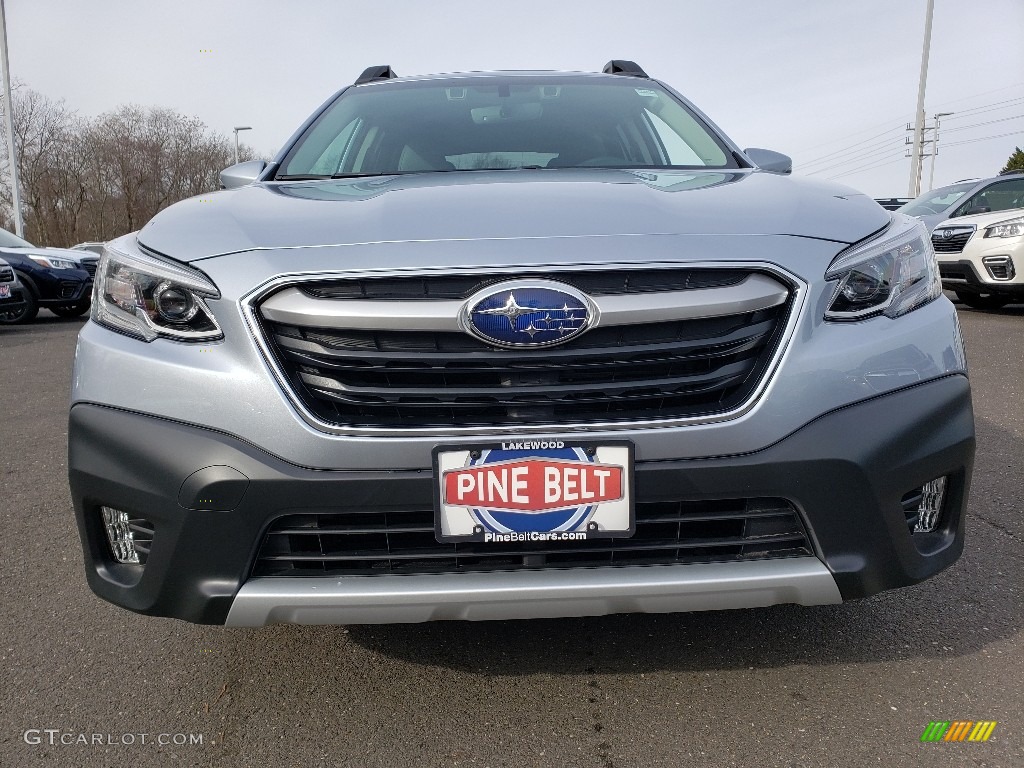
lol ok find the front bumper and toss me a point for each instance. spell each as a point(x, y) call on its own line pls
point(845, 472)
point(966, 275)
point(15, 301)
point(57, 287)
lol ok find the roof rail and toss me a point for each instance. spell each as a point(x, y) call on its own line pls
point(381, 72)
point(623, 67)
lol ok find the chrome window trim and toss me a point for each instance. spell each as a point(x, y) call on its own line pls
point(248, 303)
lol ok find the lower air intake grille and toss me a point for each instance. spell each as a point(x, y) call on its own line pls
point(376, 542)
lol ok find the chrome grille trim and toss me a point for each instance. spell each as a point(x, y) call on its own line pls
point(248, 305)
point(955, 241)
point(294, 307)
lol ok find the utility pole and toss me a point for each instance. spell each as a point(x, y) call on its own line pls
point(236, 129)
point(935, 146)
point(19, 227)
point(915, 162)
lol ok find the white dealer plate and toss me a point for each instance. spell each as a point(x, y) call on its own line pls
point(533, 490)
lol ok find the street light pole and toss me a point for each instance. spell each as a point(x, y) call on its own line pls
point(19, 227)
point(916, 163)
point(935, 146)
point(236, 129)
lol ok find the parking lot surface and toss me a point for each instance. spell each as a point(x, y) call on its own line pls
point(88, 684)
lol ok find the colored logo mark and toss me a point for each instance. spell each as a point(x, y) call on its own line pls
point(959, 730)
point(528, 314)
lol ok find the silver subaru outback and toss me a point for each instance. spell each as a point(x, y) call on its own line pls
point(510, 345)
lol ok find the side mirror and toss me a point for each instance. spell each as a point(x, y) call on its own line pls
point(978, 209)
point(241, 174)
point(773, 162)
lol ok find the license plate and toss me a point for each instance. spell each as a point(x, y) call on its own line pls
point(533, 490)
point(5, 291)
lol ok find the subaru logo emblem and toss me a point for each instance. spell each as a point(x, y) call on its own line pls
point(527, 313)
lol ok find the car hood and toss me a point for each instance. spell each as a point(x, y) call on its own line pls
point(508, 205)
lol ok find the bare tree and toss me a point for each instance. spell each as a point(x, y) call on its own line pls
point(96, 179)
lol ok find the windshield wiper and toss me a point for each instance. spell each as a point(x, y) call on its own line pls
point(364, 175)
point(317, 176)
point(300, 176)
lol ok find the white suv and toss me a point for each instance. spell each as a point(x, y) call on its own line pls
point(981, 257)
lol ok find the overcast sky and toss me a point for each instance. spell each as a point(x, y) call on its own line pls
point(831, 83)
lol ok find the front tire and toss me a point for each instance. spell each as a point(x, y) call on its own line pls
point(982, 300)
point(25, 314)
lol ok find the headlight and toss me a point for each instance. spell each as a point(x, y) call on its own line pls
point(891, 274)
point(1008, 228)
point(147, 297)
point(53, 263)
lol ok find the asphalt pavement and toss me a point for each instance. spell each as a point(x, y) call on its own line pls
point(88, 684)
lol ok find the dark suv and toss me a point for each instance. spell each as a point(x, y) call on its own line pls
point(55, 278)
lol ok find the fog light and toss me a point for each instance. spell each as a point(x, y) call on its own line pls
point(932, 495)
point(130, 538)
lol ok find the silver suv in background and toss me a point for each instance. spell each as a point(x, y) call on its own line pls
point(968, 198)
point(512, 345)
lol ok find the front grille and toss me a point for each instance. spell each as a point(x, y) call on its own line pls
point(954, 244)
point(401, 542)
point(595, 283)
point(6, 275)
point(89, 265)
point(662, 370)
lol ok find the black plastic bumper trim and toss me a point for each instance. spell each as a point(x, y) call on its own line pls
point(846, 472)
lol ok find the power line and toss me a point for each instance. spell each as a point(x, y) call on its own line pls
point(878, 148)
point(986, 108)
point(941, 105)
point(851, 146)
point(979, 95)
point(853, 159)
point(983, 138)
point(987, 122)
point(851, 135)
point(836, 156)
point(866, 168)
point(991, 106)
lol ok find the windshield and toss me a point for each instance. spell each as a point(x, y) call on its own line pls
point(476, 123)
point(937, 200)
point(8, 240)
